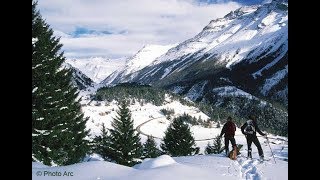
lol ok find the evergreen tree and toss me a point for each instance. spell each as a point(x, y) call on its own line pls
point(217, 145)
point(58, 125)
point(209, 149)
point(178, 140)
point(150, 149)
point(125, 143)
point(102, 144)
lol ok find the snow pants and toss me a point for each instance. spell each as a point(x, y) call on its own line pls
point(226, 143)
point(254, 139)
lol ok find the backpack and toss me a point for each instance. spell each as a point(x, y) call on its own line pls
point(249, 129)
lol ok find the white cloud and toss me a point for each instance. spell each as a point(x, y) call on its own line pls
point(133, 22)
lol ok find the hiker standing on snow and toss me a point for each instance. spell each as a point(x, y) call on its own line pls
point(228, 130)
point(249, 129)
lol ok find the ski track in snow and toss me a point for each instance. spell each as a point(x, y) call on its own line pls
point(248, 170)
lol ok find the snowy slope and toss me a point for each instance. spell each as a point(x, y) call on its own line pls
point(97, 68)
point(145, 57)
point(248, 48)
point(104, 112)
point(177, 168)
point(270, 82)
point(204, 167)
point(244, 34)
point(140, 60)
point(232, 91)
point(79, 79)
point(164, 167)
point(150, 121)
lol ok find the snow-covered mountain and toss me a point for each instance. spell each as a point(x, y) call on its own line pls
point(140, 60)
point(248, 49)
point(97, 68)
point(79, 79)
point(233, 63)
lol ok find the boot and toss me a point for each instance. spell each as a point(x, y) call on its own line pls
point(261, 158)
point(249, 154)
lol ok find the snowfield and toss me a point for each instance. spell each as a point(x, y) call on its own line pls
point(145, 57)
point(104, 112)
point(204, 167)
point(150, 121)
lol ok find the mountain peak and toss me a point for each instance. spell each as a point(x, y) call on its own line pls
point(97, 68)
point(249, 46)
point(145, 56)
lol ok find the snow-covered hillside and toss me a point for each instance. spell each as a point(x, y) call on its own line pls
point(248, 48)
point(79, 79)
point(144, 57)
point(106, 71)
point(149, 120)
point(249, 33)
point(204, 167)
point(97, 68)
point(147, 117)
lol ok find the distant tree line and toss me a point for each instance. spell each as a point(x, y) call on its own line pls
point(142, 93)
point(271, 118)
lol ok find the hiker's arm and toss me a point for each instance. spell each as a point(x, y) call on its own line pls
point(222, 130)
point(259, 131)
point(242, 128)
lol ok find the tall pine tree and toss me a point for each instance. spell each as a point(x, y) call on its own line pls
point(216, 148)
point(217, 145)
point(58, 125)
point(102, 144)
point(150, 149)
point(125, 142)
point(178, 140)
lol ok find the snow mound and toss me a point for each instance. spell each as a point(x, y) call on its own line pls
point(204, 167)
point(160, 161)
point(38, 165)
point(93, 170)
point(93, 157)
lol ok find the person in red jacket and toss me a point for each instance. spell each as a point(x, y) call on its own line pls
point(228, 130)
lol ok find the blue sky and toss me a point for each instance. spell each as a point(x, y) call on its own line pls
point(119, 28)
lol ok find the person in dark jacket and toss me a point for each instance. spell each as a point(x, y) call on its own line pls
point(228, 130)
point(249, 129)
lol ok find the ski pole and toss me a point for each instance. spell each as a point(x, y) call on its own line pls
point(271, 150)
